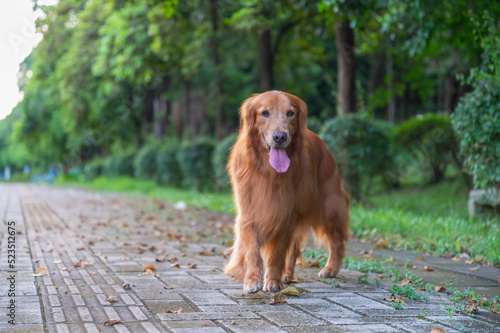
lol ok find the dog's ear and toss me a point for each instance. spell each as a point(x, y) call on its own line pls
point(301, 109)
point(247, 117)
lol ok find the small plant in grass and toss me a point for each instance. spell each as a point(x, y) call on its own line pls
point(377, 282)
point(335, 283)
point(397, 306)
point(409, 292)
point(363, 278)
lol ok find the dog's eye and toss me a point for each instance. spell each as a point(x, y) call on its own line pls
point(265, 113)
point(290, 114)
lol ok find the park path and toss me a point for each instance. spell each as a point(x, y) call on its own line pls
point(96, 245)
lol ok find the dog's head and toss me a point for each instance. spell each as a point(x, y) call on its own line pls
point(276, 122)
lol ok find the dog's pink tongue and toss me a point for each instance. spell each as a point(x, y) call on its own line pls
point(279, 159)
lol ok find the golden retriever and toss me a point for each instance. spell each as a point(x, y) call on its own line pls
point(285, 181)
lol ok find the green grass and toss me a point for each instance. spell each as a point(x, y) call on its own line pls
point(429, 219)
point(145, 188)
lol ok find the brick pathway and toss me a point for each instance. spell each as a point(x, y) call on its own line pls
point(114, 237)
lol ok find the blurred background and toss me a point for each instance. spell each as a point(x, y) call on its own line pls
point(144, 95)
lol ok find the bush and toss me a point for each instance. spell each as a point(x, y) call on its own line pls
point(360, 148)
point(314, 124)
point(477, 125)
point(219, 160)
point(120, 165)
point(145, 162)
point(167, 166)
point(94, 168)
point(194, 159)
point(427, 139)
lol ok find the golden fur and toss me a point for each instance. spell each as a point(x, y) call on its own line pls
point(276, 210)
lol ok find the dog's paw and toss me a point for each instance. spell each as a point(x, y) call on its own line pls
point(328, 272)
point(252, 286)
point(273, 285)
point(288, 279)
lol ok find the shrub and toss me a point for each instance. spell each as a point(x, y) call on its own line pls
point(167, 166)
point(145, 162)
point(94, 168)
point(476, 120)
point(314, 124)
point(194, 159)
point(120, 165)
point(219, 160)
point(360, 148)
point(477, 124)
point(428, 139)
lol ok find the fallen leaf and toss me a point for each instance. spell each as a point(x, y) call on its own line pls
point(80, 248)
point(439, 289)
point(494, 308)
point(49, 249)
point(399, 300)
point(97, 254)
point(382, 244)
point(37, 260)
point(193, 266)
point(170, 311)
point(390, 299)
point(304, 263)
point(161, 259)
point(420, 258)
point(278, 298)
point(64, 269)
point(175, 265)
point(112, 322)
point(83, 264)
point(91, 243)
point(428, 269)
point(147, 272)
point(41, 272)
point(180, 310)
point(226, 252)
point(126, 286)
point(112, 299)
point(290, 291)
point(174, 259)
point(149, 266)
point(471, 308)
point(207, 252)
point(474, 268)
point(168, 287)
point(436, 330)
point(405, 281)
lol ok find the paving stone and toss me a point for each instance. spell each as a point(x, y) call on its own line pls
point(296, 318)
point(250, 326)
point(207, 316)
point(209, 298)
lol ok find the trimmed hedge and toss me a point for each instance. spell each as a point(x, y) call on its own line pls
point(220, 157)
point(145, 162)
point(427, 140)
point(194, 160)
point(167, 166)
point(360, 147)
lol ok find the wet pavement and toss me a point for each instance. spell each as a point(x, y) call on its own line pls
point(91, 252)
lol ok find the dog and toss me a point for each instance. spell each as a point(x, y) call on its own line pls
point(285, 181)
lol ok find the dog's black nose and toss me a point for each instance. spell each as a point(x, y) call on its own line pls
point(279, 137)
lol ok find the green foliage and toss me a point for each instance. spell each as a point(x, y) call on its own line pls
point(408, 291)
point(145, 162)
point(360, 148)
point(476, 120)
point(427, 139)
point(121, 164)
point(94, 168)
point(314, 124)
point(195, 162)
point(168, 168)
point(219, 160)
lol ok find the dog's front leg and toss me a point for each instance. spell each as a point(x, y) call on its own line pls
point(249, 242)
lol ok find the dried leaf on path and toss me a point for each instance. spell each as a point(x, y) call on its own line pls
point(306, 264)
point(420, 258)
point(439, 289)
point(436, 330)
point(83, 264)
point(126, 286)
point(382, 244)
point(176, 265)
point(193, 266)
point(474, 268)
point(161, 259)
point(112, 299)
point(112, 322)
point(390, 299)
point(471, 308)
point(428, 269)
point(41, 272)
point(494, 307)
point(149, 266)
point(147, 272)
point(291, 291)
point(207, 252)
point(406, 281)
point(278, 298)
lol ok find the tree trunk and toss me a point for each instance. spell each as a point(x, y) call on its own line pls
point(346, 65)
point(161, 110)
point(391, 108)
point(449, 90)
point(265, 61)
point(187, 105)
point(219, 111)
